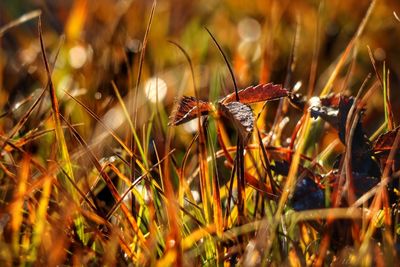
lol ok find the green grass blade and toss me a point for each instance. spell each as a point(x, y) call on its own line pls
point(61, 142)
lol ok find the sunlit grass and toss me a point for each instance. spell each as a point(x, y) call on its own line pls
point(93, 171)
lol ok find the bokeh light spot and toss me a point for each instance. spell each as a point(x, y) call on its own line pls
point(249, 29)
point(155, 89)
point(77, 56)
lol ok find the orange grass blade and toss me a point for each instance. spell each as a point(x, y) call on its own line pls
point(76, 20)
point(173, 249)
point(325, 91)
point(217, 207)
point(29, 112)
point(318, 214)
point(183, 185)
point(134, 183)
point(40, 222)
point(16, 209)
point(205, 183)
point(203, 232)
point(24, 118)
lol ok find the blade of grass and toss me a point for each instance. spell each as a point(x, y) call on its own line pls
point(24, 18)
point(8, 172)
point(396, 16)
point(241, 183)
point(134, 183)
point(316, 48)
point(195, 236)
point(141, 60)
point(353, 118)
point(40, 222)
point(378, 131)
point(173, 252)
point(309, 215)
point(289, 184)
point(267, 165)
point(82, 195)
point(183, 186)
point(109, 183)
point(326, 239)
point(17, 207)
point(111, 132)
point(135, 99)
point(228, 65)
point(291, 65)
point(38, 100)
point(325, 91)
point(23, 119)
point(384, 81)
point(381, 192)
point(182, 183)
point(205, 186)
point(131, 125)
point(386, 99)
point(217, 208)
point(62, 145)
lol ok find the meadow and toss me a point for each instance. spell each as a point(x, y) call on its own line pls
point(199, 133)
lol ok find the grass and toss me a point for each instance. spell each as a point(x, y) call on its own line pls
point(104, 162)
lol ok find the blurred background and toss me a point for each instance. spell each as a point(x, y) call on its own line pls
point(100, 41)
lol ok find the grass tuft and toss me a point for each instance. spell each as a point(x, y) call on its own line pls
point(272, 140)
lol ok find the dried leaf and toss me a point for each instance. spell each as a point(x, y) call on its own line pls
point(307, 195)
point(365, 182)
point(240, 115)
point(335, 109)
point(331, 100)
point(382, 147)
point(188, 108)
point(258, 93)
point(328, 109)
point(385, 141)
point(328, 114)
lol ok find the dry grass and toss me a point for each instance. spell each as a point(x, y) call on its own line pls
point(93, 172)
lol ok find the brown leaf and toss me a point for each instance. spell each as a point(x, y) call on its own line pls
point(189, 108)
point(331, 100)
point(241, 115)
point(385, 141)
point(258, 93)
